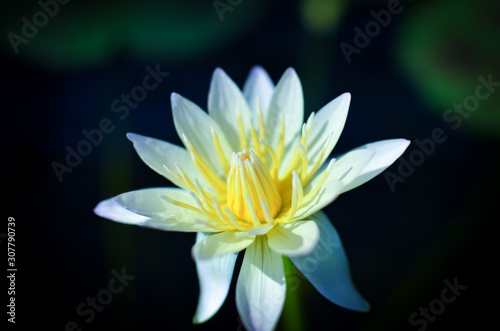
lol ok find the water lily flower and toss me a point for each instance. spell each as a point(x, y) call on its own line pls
point(252, 176)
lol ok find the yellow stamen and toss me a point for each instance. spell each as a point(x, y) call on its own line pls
point(253, 215)
point(313, 192)
point(248, 182)
point(281, 140)
point(233, 220)
point(184, 177)
point(305, 164)
point(297, 195)
point(219, 152)
point(228, 220)
point(267, 214)
point(241, 129)
point(274, 159)
point(260, 119)
point(319, 161)
point(202, 195)
point(180, 204)
point(255, 140)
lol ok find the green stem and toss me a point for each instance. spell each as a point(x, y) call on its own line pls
point(291, 319)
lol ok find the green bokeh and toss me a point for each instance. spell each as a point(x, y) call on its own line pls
point(445, 46)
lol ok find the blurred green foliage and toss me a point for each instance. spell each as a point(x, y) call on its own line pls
point(322, 16)
point(95, 32)
point(445, 46)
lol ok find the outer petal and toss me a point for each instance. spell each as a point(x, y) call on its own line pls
point(220, 244)
point(156, 153)
point(261, 287)
point(110, 209)
point(385, 153)
point(327, 126)
point(348, 166)
point(225, 103)
point(215, 278)
point(294, 238)
point(287, 102)
point(258, 89)
point(192, 121)
point(328, 270)
point(162, 214)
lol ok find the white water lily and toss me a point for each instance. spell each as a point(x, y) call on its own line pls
point(253, 176)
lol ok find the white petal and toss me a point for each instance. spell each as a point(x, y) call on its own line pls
point(220, 244)
point(385, 153)
point(162, 214)
point(225, 100)
point(329, 121)
point(215, 278)
point(110, 209)
point(294, 238)
point(191, 120)
point(261, 287)
point(349, 165)
point(258, 89)
point(156, 153)
point(328, 270)
point(287, 102)
point(148, 202)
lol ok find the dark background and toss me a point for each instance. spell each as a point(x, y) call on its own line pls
point(402, 244)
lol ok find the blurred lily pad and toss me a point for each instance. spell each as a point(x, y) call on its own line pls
point(445, 46)
point(82, 36)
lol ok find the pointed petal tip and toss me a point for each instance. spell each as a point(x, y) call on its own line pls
point(179, 102)
point(290, 71)
point(102, 209)
point(97, 211)
point(257, 67)
point(400, 143)
point(404, 143)
point(346, 95)
point(258, 70)
point(132, 136)
point(110, 210)
point(363, 307)
point(219, 72)
point(344, 99)
point(197, 321)
point(174, 98)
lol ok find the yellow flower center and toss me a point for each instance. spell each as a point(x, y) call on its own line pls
point(252, 193)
